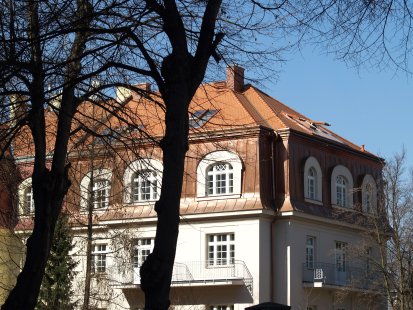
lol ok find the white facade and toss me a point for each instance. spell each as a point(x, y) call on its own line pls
point(334, 278)
point(199, 279)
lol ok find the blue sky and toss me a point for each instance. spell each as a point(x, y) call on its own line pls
point(363, 105)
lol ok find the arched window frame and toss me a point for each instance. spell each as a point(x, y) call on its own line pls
point(134, 168)
point(342, 172)
point(212, 159)
point(219, 179)
point(24, 206)
point(312, 164)
point(86, 186)
point(369, 194)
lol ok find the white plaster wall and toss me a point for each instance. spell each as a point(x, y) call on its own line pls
point(252, 237)
point(291, 233)
point(192, 243)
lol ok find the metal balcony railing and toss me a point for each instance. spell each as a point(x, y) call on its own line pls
point(350, 276)
point(202, 272)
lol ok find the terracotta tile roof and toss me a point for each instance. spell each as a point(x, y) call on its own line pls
point(226, 109)
point(215, 107)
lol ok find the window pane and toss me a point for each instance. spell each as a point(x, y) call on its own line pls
point(221, 249)
point(100, 194)
point(142, 250)
point(309, 252)
point(220, 179)
point(28, 205)
point(144, 186)
point(99, 258)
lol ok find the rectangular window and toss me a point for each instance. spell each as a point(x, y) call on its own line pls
point(222, 307)
point(220, 179)
point(100, 192)
point(29, 202)
point(99, 258)
point(369, 251)
point(311, 188)
point(309, 252)
point(341, 256)
point(142, 250)
point(221, 249)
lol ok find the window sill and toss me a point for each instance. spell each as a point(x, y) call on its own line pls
point(97, 210)
point(350, 208)
point(218, 197)
point(316, 202)
point(142, 202)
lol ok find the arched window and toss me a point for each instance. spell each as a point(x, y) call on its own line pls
point(220, 179)
point(341, 187)
point(25, 194)
point(369, 194)
point(95, 188)
point(341, 191)
point(144, 185)
point(142, 180)
point(219, 173)
point(312, 180)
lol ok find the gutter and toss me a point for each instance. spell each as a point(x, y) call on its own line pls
point(274, 182)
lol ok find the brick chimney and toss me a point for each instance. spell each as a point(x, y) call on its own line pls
point(145, 86)
point(235, 78)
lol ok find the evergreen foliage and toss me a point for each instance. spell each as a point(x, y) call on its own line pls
point(56, 289)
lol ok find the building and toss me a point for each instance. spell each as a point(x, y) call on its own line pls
point(11, 247)
point(270, 206)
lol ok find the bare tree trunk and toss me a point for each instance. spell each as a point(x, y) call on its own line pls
point(49, 186)
point(156, 272)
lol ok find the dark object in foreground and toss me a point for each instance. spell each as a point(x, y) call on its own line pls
point(269, 306)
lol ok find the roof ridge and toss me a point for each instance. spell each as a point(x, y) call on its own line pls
point(259, 94)
point(252, 110)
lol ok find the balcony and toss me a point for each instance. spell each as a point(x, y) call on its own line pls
point(328, 275)
point(218, 283)
point(199, 273)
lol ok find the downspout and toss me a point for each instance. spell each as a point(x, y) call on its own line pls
point(273, 190)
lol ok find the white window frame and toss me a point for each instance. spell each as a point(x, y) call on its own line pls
point(312, 164)
point(341, 191)
point(23, 188)
point(341, 171)
point(312, 183)
point(369, 194)
point(217, 248)
point(99, 193)
point(310, 252)
point(145, 186)
point(219, 157)
point(341, 256)
point(221, 307)
point(100, 257)
point(143, 164)
point(142, 248)
point(219, 179)
point(85, 186)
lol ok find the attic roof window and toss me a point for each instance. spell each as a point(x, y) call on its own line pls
point(109, 135)
point(316, 127)
point(200, 117)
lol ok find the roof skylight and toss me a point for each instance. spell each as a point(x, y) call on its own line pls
point(200, 117)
